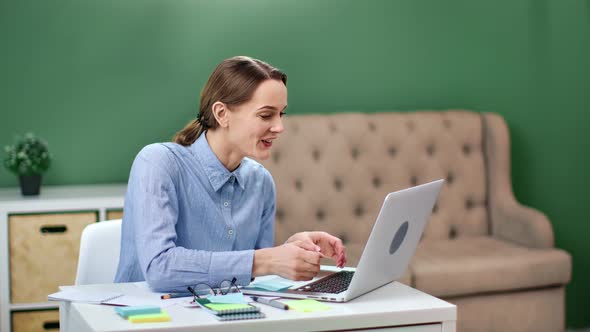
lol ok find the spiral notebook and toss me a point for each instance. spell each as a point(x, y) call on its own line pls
point(230, 311)
point(247, 315)
point(220, 309)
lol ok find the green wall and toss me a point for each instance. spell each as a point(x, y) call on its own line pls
point(100, 79)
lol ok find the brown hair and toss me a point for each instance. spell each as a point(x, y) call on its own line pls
point(233, 82)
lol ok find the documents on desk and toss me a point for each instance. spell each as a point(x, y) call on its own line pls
point(142, 297)
point(85, 296)
point(109, 298)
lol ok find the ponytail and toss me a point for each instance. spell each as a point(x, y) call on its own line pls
point(189, 134)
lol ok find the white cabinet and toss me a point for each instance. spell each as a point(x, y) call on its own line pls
point(40, 239)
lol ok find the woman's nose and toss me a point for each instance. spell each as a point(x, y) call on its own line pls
point(278, 126)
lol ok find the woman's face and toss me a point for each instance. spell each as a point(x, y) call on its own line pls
point(253, 126)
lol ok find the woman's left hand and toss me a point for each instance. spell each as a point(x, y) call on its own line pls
point(329, 245)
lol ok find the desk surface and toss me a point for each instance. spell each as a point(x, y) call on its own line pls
point(392, 305)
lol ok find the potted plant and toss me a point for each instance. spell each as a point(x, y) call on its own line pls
point(28, 158)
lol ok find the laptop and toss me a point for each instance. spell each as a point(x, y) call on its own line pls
point(386, 256)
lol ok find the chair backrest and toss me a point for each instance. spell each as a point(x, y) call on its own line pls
point(99, 252)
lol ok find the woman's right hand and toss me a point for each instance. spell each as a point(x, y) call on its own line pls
point(295, 261)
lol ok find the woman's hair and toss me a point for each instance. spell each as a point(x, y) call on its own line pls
point(233, 82)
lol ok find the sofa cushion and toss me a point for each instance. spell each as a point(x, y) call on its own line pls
point(474, 265)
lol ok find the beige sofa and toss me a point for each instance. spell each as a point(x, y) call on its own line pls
point(483, 251)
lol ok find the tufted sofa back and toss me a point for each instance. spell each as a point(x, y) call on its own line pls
point(332, 172)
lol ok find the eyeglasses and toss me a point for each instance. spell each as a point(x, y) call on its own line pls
point(225, 287)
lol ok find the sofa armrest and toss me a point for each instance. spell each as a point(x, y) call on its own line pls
point(522, 225)
point(509, 220)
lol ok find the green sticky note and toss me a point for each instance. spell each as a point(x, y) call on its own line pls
point(307, 305)
point(226, 306)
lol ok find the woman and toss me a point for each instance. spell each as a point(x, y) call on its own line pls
point(199, 210)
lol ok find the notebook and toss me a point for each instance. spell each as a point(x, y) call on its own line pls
point(230, 311)
point(248, 315)
point(226, 308)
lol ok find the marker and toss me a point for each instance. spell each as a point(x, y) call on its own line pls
point(272, 303)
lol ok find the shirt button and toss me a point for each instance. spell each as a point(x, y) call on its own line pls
point(225, 204)
point(230, 232)
point(232, 179)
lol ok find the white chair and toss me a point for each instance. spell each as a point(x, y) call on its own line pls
point(99, 253)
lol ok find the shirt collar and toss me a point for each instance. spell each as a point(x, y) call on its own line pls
point(216, 172)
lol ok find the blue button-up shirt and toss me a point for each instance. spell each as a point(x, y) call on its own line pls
point(188, 220)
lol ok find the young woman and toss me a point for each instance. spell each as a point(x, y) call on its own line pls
point(199, 210)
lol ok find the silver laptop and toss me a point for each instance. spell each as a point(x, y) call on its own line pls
point(386, 256)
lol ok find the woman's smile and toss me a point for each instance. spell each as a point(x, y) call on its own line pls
point(267, 143)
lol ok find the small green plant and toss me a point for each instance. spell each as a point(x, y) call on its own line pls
point(28, 156)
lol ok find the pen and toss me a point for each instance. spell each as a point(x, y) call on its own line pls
point(272, 303)
point(174, 295)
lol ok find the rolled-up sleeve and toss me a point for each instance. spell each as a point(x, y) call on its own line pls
point(152, 207)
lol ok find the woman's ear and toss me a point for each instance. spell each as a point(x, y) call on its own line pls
point(220, 113)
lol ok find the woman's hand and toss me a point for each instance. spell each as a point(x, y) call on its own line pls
point(329, 245)
point(295, 260)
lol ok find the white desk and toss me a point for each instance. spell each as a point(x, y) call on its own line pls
point(393, 307)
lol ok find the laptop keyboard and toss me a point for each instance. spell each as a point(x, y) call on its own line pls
point(333, 284)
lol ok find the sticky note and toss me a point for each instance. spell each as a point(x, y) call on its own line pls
point(228, 298)
point(150, 318)
point(275, 284)
point(307, 305)
point(137, 310)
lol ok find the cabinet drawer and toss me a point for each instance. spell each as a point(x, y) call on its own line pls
point(35, 321)
point(114, 214)
point(44, 253)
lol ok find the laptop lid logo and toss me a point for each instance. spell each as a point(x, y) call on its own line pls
point(399, 237)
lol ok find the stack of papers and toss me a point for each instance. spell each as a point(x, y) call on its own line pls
point(85, 296)
point(97, 297)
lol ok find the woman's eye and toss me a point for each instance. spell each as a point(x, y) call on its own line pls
point(268, 116)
